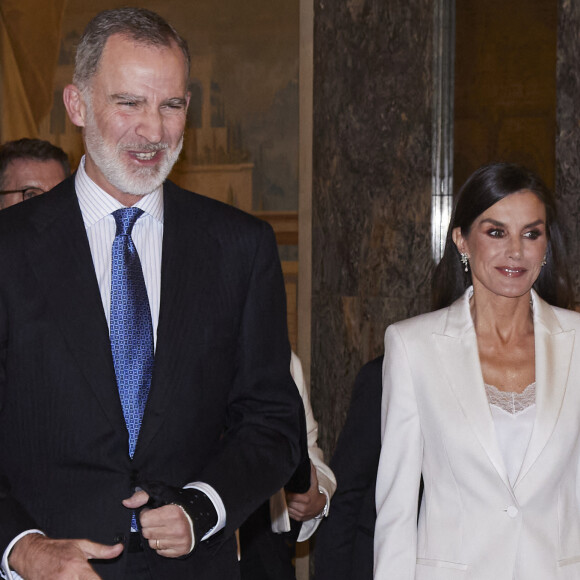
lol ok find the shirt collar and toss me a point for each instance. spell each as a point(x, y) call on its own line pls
point(96, 203)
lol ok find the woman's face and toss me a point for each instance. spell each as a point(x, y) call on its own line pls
point(506, 245)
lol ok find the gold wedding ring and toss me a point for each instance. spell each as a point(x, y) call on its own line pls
point(157, 545)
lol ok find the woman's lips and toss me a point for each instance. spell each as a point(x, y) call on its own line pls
point(511, 272)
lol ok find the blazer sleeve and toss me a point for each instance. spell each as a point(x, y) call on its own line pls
point(326, 479)
point(262, 444)
point(324, 474)
point(13, 517)
point(399, 472)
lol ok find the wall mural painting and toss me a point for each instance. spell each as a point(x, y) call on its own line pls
point(241, 142)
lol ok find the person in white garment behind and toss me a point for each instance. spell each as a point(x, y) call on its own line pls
point(268, 539)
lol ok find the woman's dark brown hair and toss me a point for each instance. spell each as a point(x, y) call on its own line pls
point(488, 185)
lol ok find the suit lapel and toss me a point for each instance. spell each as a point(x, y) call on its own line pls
point(553, 356)
point(459, 357)
point(188, 267)
point(61, 259)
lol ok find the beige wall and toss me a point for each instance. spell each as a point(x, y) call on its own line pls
point(228, 183)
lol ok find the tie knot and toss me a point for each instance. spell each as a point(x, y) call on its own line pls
point(125, 219)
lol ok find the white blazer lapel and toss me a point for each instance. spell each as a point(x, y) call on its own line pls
point(553, 355)
point(459, 356)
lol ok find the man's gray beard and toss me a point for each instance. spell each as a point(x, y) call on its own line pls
point(138, 181)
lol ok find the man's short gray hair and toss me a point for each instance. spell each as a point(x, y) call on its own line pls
point(138, 24)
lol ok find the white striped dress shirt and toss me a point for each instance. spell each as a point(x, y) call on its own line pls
point(97, 208)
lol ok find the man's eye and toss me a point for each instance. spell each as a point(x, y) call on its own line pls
point(32, 192)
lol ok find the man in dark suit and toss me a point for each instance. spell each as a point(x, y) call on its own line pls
point(344, 544)
point(146, 405)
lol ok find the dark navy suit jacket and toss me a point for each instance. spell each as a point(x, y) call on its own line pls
point(222, 406)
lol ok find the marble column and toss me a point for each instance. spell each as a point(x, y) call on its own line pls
point(372, 182)
point(568, 131)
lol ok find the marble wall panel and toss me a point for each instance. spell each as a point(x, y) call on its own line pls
point(568, 132)
point(371, 201)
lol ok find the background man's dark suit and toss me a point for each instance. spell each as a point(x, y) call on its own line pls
point(344, 543)
point(222, 407)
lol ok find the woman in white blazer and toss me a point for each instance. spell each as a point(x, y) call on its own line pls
point(482, 399)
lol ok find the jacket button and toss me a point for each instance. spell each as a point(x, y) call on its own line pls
point(512, 511)
point(120, 539)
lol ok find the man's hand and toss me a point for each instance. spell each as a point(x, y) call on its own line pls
point(166, 528)
point(36, 557)
point(305, 506)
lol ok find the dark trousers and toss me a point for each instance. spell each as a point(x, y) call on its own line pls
point(264, 554)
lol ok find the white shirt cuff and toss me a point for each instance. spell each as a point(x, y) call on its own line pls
point(6, 572)
point(217, 502)
point(310, 526)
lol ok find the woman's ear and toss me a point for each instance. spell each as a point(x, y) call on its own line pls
point(75, 105)
point(459, 240)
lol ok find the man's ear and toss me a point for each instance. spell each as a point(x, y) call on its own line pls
point(75, 105)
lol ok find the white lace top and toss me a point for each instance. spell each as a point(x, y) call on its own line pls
point(513, 415)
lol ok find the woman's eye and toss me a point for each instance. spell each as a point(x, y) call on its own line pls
point(495, 233)
point(533, 234)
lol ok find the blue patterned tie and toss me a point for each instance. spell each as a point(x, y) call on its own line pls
point(131, 330)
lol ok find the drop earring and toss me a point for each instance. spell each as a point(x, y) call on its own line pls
point(465, 261)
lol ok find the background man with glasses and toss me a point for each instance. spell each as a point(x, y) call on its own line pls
point(29, 167)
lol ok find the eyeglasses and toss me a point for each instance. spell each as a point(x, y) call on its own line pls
point(27, 192)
